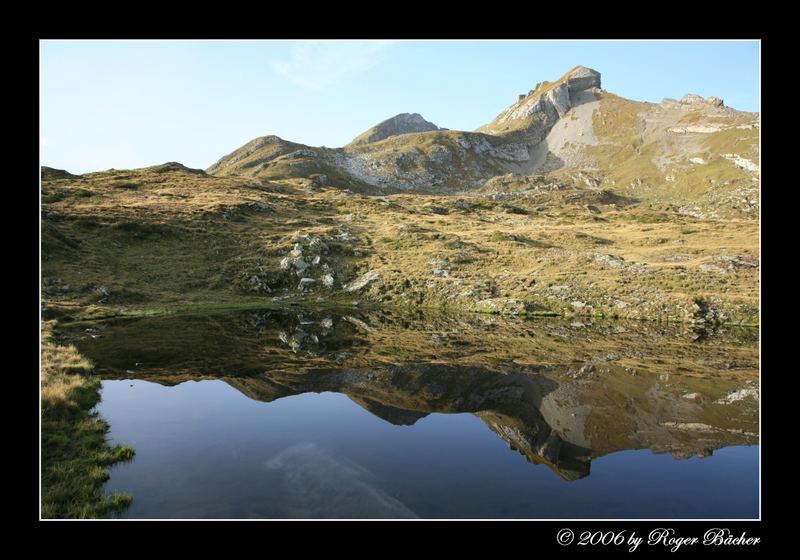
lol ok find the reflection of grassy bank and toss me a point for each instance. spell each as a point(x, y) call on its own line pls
point(75, 453)
point(245, 343)
point(68, 311)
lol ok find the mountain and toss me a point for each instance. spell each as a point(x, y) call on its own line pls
point(404, 123)
point(695, 152)
point(572, 201)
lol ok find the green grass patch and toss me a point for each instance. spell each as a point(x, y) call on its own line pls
point(75, 452)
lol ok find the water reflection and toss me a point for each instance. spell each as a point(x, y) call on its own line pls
point(559, 394)
point(318, 484)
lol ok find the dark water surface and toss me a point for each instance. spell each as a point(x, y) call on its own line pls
point(375, 415)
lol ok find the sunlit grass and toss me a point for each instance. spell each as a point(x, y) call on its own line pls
point(75, 452)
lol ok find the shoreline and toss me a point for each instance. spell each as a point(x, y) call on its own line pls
point(81, 313)
point(75, 453)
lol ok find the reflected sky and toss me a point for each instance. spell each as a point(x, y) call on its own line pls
point(205, 450)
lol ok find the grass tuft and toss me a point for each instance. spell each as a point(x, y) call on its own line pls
point(75, 452)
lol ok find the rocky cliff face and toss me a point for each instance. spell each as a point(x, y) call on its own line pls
point(404, 123)
point(531, 117)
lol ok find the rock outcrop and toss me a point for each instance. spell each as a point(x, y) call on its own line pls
point(694, 99)
point(530, 118)
point(404, 123)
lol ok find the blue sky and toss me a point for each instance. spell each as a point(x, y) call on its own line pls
point(126, 104)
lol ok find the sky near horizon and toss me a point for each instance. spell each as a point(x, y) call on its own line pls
point(127, 104)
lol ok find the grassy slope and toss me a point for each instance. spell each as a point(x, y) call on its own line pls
point(75, 453)
point(626, 156)
point(127, 241)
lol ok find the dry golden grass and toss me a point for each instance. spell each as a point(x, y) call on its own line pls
point(180, 238)
point(75, 453)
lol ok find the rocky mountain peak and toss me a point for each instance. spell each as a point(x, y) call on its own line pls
point(404, 123)
point(535, 113)
point(581, 78)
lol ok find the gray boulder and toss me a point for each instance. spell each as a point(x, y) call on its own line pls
point(306, 284)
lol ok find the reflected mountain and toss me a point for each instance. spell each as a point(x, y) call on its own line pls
point(509, 404)
point(558, 393)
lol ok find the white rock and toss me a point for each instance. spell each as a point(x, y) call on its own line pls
point(305, 284)
point(739, 395)
point(741, 162)
point(363, 281)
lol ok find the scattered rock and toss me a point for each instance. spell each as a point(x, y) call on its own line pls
point(259, 207)
point(260, 282)
point(317, 247)
point(689, 426)
point(435, 208)
point(362, 282)
point(739, 395)
point(300, 264)
point(328, 281)
point(707, 267)
point(741, 162)
point(702, 314)
point(359, 323)
point(609, 260)
point(306, 284)
point(319, 180)
point(677, 258)
point(735, 263)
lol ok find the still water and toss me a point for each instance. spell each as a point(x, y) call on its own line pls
point(319, 415)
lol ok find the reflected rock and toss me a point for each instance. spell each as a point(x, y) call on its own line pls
point(559, 396)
